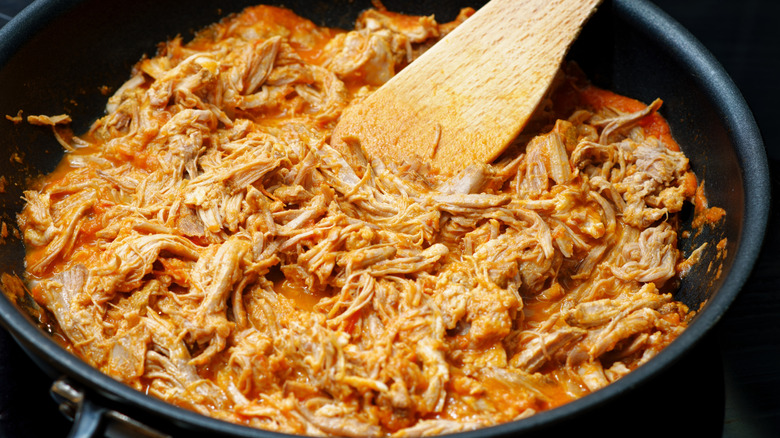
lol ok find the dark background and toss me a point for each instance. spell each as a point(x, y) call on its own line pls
point(729, 386)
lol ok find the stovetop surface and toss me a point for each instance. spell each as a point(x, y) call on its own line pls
point(736, 388)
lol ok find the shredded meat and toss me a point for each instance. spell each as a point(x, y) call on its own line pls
point(204, 243)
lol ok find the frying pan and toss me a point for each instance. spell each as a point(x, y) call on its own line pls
point(60, 57)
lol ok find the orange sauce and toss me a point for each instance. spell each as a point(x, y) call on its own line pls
point(306, 38)
point(654, 124)
point(92, 221)
point(297, 293)
point(461, 404)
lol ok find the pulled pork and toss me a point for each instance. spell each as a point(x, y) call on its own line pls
point(204, 243)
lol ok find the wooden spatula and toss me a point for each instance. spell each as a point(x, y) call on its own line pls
point(465, 99)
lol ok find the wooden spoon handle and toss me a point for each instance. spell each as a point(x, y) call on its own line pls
point(470, 95)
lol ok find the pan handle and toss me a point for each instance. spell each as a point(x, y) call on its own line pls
point(90, 420)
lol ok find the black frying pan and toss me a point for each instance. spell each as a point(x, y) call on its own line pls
point(55, 56)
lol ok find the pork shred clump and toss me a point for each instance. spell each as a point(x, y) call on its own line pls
point(205, 244)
